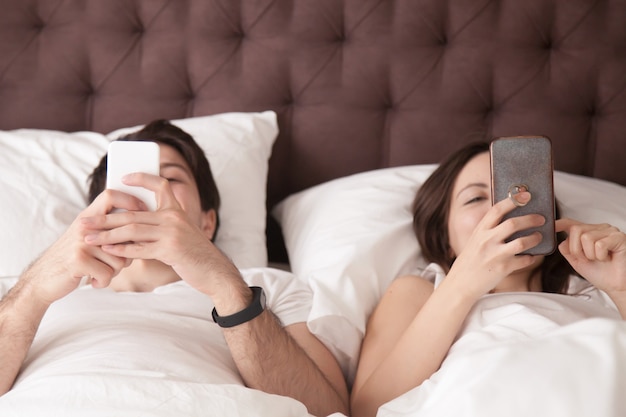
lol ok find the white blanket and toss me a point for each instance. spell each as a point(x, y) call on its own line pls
point(526, 355)
point(101, 353)
point(141, 396)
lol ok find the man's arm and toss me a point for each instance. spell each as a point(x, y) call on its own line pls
point(20, 315)
point(50, 277)
point(288, 361)
point(268, 357)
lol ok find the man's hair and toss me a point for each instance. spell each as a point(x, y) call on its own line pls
point(431, 209)
point(163, 132)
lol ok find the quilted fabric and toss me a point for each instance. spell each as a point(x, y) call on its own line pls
point(356, 84)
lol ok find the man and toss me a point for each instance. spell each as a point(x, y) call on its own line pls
point(148, 256)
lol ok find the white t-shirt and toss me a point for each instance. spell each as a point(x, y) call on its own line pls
point(167, 333)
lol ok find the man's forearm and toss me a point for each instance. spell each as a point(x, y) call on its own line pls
point(269, 359)
point(19, 319)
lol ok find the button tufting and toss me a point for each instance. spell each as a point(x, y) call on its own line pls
point(592, 111)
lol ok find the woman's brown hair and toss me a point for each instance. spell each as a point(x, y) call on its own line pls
point(431, 208)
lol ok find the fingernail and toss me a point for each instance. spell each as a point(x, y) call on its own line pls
point(523, 197)
point(91, 238)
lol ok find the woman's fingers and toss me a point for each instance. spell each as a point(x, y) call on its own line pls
point(523, 243)
point(589, 241)
point(501, 208)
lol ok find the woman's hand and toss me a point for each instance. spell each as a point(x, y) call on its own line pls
point(597, 252)
point(487, 258)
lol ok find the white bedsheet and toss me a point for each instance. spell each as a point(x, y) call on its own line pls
point(526, 355)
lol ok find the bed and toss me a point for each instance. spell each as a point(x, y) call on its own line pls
point(320, 120)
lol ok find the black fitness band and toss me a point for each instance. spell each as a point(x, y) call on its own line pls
point(256, 307)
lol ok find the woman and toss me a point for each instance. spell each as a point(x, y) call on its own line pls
point(416, 322)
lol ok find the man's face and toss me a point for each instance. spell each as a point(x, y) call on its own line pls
point(175, 169)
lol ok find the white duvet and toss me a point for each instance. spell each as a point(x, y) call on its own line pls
point(519, 354)
point(117, 395)
point(157, 354)
point(529, 354)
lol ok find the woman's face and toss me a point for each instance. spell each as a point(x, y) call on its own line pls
point(470, 201)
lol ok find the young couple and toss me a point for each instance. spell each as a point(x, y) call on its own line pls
point(267, 346)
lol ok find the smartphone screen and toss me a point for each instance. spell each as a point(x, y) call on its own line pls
point(125, 157)
point(525, 162)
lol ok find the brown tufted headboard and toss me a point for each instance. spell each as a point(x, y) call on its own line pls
point(357, 84)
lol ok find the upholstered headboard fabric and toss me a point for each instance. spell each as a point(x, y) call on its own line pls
point(357, 84)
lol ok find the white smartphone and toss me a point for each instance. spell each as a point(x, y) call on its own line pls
point(125, 157)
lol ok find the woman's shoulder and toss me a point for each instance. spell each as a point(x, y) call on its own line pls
point(404, 297)
point(406, 294)
point(425, 277)
point(407, 289)
point(411, 281)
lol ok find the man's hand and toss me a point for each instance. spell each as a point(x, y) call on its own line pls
point(168, 235)
point(59, 270)
point(56, 273)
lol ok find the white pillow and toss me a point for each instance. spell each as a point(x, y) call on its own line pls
point(590, 200)
point(350, 237)
point(238, 146)
point(44, 183)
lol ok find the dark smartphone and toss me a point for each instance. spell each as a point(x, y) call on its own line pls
point(521, 163)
